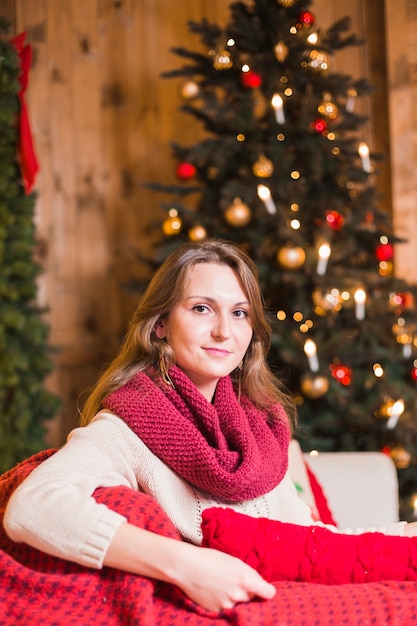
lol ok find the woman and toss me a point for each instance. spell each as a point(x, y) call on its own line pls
point(188, 412)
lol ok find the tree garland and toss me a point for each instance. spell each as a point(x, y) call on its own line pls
point(25, 361)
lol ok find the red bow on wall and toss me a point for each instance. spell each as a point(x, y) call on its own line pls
point(27, 157)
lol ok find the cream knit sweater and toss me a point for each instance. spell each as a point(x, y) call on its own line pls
point(53, 509)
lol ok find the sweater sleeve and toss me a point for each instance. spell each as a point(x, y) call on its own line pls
point(54, 510)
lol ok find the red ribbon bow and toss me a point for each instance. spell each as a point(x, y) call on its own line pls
point(28, 162)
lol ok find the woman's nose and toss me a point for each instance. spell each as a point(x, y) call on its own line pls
point(221, 327)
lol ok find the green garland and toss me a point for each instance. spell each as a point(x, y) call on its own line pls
point(25, 404)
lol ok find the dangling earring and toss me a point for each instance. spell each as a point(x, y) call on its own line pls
point(164, 372)
point(239, 381)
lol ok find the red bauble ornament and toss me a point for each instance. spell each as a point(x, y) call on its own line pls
point(384, 252)
point(185, 170)
point(251, 79)
point(404, 299)
point(414, 373)
point(319, 125)
point(306, 18)
point(342, 373)
point(334, 220)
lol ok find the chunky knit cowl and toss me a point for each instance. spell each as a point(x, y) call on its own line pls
point(228, 449)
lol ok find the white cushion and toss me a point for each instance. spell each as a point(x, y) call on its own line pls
point(361, 487)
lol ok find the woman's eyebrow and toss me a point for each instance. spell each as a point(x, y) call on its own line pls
point(211, 299)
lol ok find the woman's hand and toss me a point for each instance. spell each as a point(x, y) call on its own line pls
point(211, 578)
point(217, 581)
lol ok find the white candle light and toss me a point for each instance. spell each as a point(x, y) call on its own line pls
point(407, 350)
point(350, 104)
point(324, 253)
point(278, 106)
point(364, 154)
point(265, 195)
point(311, 353)
point(395, 413)
point(360, 299)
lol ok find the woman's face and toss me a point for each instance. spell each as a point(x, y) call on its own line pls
point(210, 328)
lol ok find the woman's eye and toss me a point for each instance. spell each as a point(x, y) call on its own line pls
point(241, 313)
point(200, 308)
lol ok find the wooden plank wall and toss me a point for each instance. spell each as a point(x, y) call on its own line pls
point(401, 35)
point(102, 120)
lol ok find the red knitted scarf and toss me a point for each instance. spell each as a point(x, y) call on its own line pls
point(228, 449)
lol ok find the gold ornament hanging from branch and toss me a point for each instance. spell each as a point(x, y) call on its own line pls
point(286, 3)
point(173, 224)
point(281, 51)
point(238, 214)
point(401, 457)
point(197, 233)
point(314, 386)
point(263, 167)
point(189, 90)
point(291, 257)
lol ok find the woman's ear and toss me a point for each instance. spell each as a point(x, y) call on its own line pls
point(160, 329)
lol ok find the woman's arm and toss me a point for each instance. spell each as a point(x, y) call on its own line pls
point(210, 578)
point(54, 511)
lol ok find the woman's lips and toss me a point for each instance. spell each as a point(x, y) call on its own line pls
point(217, 352)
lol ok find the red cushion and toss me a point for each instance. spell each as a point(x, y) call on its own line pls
point(281, 551)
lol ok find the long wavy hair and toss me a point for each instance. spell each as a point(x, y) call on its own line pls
point(142, 349)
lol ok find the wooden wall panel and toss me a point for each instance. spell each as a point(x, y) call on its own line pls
point(401, 25)
point(102, 120)
point(366, 61)
point(8, 12)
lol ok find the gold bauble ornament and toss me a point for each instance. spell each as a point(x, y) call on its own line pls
point(189, 90)
point(291, 257)
point(314, 386)
point(238, 213)
point(222, 59)
point(281, 51)
point(263, 168)
point(172, 225)
point(401, 457)
point(197, 233)
point(286, 3)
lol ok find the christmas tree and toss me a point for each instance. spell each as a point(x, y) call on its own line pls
point(25, 404)
point(282, 170)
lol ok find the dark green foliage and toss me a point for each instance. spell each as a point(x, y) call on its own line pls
point(25, 405)
point(316, 171)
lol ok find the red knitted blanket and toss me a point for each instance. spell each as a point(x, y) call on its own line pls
point(39, 590)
